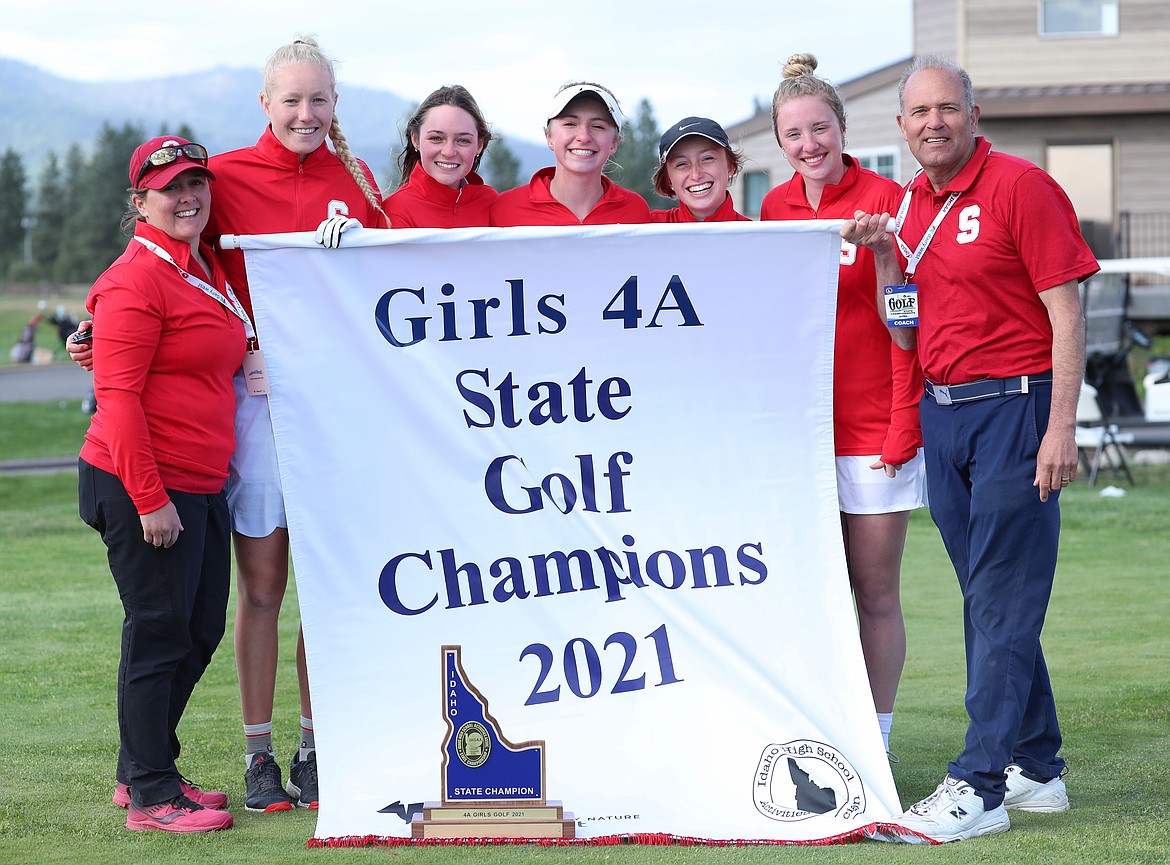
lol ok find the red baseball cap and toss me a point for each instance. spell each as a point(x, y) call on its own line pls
point(157, 162)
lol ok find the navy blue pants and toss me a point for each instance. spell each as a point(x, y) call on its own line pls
point(175, 604)
point(1002, 540)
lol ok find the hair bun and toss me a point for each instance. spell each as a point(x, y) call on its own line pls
point(800, 64)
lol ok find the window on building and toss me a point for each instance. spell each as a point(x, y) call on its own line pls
point(755, 187)
point(885, 161)
point(1078, 17)
point(1086, 173)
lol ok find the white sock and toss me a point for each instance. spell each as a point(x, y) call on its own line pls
point(885, 722)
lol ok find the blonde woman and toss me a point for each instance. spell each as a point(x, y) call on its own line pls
point(290, 180)
point(876, 385)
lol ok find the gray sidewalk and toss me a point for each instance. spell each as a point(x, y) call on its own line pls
point(26, 382)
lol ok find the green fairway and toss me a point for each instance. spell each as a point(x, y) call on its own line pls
point(1107, 642)
point(41, 429)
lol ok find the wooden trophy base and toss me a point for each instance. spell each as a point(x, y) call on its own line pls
point(494, 820)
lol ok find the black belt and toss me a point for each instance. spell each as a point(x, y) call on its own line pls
point(950, 394)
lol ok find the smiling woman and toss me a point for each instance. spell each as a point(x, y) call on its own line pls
point(299, 99)
point(152, 471)
point(181, 208)
point(583, 130)
point(696, 164)
point(290, 180)
point(445, 140)
point(876, 385)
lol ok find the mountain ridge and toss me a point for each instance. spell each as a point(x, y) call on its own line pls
point(47, 112)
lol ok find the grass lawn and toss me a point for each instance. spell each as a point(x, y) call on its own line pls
point(31, 430)
point(1107, 643)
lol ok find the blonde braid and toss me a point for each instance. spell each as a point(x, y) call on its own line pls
point(341, 147)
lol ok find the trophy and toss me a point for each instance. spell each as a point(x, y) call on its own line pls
point(491, 787)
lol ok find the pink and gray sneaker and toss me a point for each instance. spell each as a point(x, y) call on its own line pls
point(176, 815)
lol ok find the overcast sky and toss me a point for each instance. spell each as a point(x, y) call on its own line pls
point(688, 56)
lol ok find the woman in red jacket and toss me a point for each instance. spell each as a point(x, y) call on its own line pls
point(445, 141)
point(696, 164)
point(288, 181)
point(153, 467)
point(583, 130)
point(876, 385)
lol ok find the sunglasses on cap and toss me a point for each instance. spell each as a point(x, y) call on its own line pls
point(170, 153)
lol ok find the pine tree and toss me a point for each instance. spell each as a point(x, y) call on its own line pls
point(93, 228)
point(13, 210)
point(74, 179)
point(50, 212)
point(501, 166)
point(637, 156)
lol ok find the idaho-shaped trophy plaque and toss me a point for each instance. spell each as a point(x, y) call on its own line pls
point(491, 787)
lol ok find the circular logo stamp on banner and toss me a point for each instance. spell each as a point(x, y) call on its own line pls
point(473, 744)
point(805, 779)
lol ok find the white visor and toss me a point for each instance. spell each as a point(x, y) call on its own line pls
point(564, 97)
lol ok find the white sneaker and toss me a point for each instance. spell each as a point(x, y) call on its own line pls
point(953, 812)
point(1024, 794)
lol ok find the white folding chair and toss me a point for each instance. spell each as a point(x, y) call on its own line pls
point(1103, 439)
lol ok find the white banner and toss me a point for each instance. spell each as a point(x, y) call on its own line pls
point(600, 462)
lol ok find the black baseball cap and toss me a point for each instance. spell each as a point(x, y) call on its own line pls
point(703, 126)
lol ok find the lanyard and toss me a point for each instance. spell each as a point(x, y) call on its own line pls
point(912, 258)
point(231, 302)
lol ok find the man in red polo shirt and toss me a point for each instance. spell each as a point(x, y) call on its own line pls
point(995, 249)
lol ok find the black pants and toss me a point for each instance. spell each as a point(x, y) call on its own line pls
point(175, 604)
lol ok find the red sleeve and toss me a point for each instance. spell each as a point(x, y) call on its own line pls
point(510, 208)
point(1052, 249)
point(766, 208)
point(904, 434)
point(634, 210)
point(128, 314)
point(398, 209)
